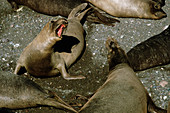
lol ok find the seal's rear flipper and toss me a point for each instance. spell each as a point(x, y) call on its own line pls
point(97, 17)
point(55, 101)
point(63, 70)
point(116, 55)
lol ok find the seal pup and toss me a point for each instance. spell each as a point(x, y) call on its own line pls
point(122, 92)
point(61, 7)
point(154, 51)
point(18, 92)
point(59, 44)
point(148, 9)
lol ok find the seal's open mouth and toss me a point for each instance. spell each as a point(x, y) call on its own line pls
point(60, 29)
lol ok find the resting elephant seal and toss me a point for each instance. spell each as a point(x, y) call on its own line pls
point(49, 7)
point(153, 52)
point(17, 92)
point(122, 92)
point(149, 9)
point(61, 7)
point(56, 47)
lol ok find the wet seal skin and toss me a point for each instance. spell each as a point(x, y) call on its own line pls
point(155, 51)
point(168, 110)
point(148, 9)
point(61, 7)
point(122, 92)
point(59, 44)
point(18, 92)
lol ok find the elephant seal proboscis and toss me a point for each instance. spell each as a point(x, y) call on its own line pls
point(155, 51)
point(149, 9)
point(122, 92)
point(62, 8)
point(18, 92)
point(49, 53)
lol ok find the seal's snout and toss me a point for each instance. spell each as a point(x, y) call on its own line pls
point(60, 29)
point(58, 26)
point(157, 10)
point(160, 14)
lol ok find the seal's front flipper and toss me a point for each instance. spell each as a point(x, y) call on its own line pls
point(62, 69)
point(116, 55)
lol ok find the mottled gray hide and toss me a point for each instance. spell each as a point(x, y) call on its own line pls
point(17, 92)
point(155, 51)
point(122, 92)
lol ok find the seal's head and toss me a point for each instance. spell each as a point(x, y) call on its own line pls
point(156, 9)
point(53, 30)
point(56, 27)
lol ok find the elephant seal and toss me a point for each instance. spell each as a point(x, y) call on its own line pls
point(153, 52)
point(148, 9)
point(63, 8)
point(18, 92)
point(49, 7)
point(168, 110)
point(122, 92)
point(59, 44)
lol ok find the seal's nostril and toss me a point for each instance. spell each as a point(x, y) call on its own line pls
point(160, 14)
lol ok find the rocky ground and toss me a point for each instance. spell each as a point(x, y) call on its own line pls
point(18, 29)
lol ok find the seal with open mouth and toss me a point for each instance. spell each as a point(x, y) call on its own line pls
point(18, 92)
point(149, 9)
point(59, 44)
point(122, 92)
point(155, 51)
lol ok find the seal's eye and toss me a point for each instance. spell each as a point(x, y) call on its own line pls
point(157, 6)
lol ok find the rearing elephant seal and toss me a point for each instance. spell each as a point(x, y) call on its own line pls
point(153, 52)
point(56, 47)
point(149, 9)
point(122, 92)
point(17, 92)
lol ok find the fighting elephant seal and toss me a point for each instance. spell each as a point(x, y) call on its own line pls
point(153, 52)
point(18, 92)
point(63, 8)
point(149, 9)
point(122, 92)
point(59, 44)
